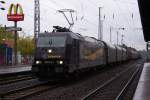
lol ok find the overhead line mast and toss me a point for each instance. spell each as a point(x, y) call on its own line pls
point(36, 19)
point(100, 34)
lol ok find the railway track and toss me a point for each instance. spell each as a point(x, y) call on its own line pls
point(14, 79)
point(116, 87)
point(21, 93)
point(125, 89)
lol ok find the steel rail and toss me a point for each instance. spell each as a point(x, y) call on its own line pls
point(124, 90)
point(3, 95)
point(9, 81)
point(30, 92)
point(105, 84)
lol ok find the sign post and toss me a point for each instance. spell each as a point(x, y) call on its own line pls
point(15, 17)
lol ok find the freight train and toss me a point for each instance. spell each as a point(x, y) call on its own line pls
point(64, 52)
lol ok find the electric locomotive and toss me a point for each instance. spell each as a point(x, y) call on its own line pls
point(65, 52)
point(53, 53)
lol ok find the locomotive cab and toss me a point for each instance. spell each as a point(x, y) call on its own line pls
point(50, 54)
point(54, 53)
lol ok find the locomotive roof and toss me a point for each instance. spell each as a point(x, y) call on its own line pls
point(118, 47)
point(110, 45)
point(94, 40)
point(73, 35)
point(122, 47)
point(90, 39)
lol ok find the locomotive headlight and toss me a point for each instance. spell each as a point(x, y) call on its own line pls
point(50, 51)
point(61, 62)
point(38, 62)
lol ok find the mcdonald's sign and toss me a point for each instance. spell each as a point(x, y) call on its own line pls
point(15, 13)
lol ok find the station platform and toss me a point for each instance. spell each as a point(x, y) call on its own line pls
point(14, 69)
point(143, 89)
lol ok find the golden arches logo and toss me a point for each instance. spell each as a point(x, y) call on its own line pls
point(15, 13)
point(15, 7)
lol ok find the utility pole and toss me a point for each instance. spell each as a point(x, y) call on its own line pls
point(15, 43)
point(117, 37)
point(110, 33)
point(122, 36)
point(36, 20)
point(100, 35)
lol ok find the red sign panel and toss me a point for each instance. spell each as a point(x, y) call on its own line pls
point(15, 13)
point(14, 17)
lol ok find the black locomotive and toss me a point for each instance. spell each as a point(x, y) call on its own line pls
point(65, 52)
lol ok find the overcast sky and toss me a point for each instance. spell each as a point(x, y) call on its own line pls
point(87, 18)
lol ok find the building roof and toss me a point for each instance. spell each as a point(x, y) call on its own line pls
point(144, 7)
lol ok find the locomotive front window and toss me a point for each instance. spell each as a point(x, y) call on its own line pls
point(52, 41)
